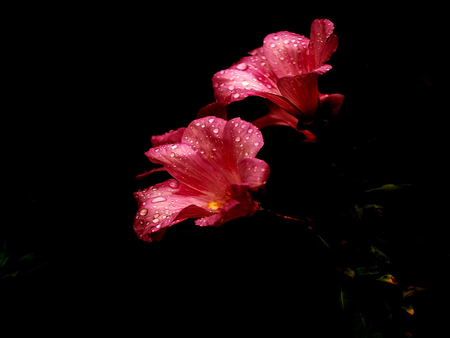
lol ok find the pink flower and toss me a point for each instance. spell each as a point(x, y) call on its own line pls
point(214, 168)
point(284, 70)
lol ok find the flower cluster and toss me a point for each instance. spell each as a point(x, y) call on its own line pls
point(212, 161)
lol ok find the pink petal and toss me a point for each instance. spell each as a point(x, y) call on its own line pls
point(334, 101)
point(172, 136)
point(276, 117)
point(184, 164)
point(166, 204)
point(285, 53)
point(240, 205)
point(279, 117)
point(213, 109)
point(303, 92)
point(320, 48)
point(148, 173)
point(254, 172)
point(233, 84)
point(223, 144)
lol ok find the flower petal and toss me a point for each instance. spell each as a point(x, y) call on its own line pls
point(303, 92)
point(240, 205)
point(333, 101)
point(184, 164)
point(166, 204)
point(243, 139)
point(233, 84)
point(223, 144)
point(320, 48)
point(254, 172)
point(213, 109)
point(285, 53)
point(279, 117)
point(172, 136)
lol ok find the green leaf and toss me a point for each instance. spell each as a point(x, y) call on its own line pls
point(390, 187)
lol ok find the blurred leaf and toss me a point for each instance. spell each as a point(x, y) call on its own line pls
point(12, 274)
point(3, 258)
point(379, 254)
point(410, 290)
point(30, 256)
point(409, 309)
point(388, 278)
point(390, 187)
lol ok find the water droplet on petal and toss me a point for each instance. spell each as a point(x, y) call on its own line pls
point(236, 95)
point(211, 120)
point(174, 184)
point(256, 144)
point(245, 83)
point(174, 146)
point(242, 66)
point(231, 87)
point(172, 154)
point(237, 139)
point(272, 45)
point(143, 212)
point(159, 199)
point(156, 220)
point(275, 37)
point(215, 130)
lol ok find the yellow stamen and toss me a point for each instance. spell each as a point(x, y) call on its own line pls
point(213, 205)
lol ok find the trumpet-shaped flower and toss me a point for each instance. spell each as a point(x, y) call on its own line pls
point(284, 70)
point(214, 168)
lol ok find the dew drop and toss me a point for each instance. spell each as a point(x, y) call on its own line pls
point(211, 120)
point(159, 199)
point(143, 212)
point(250, 131)
point(237, 139)
point(174, 146)
point(236, 95)
point(231, 87)
point(245, 83)
point(156, 220)
point(215, 130)
point(275, 37)
point(256, 144)
point(203, 125)
point(172, 154)
point(272, 45)
point(174, 184)
point(242, 66)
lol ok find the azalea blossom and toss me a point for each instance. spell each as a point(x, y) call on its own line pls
point(284, 70)
point(214, 168)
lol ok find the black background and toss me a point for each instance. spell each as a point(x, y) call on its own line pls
point(90, 86)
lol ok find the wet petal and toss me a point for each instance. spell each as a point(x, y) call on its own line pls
point(184, 164)
point(213, 109)
point(286, 52)
point(233, 84)
point(166, 204)
point(240, 205)
point(303, 92)
point(254, 172)
point(323, 44)
point(243, 139)
point(172, 136)
point(279, 117)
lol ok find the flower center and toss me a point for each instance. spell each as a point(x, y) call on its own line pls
point(213, 205)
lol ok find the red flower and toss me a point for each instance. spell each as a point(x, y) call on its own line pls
point(213, 165)
point(284, 70)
